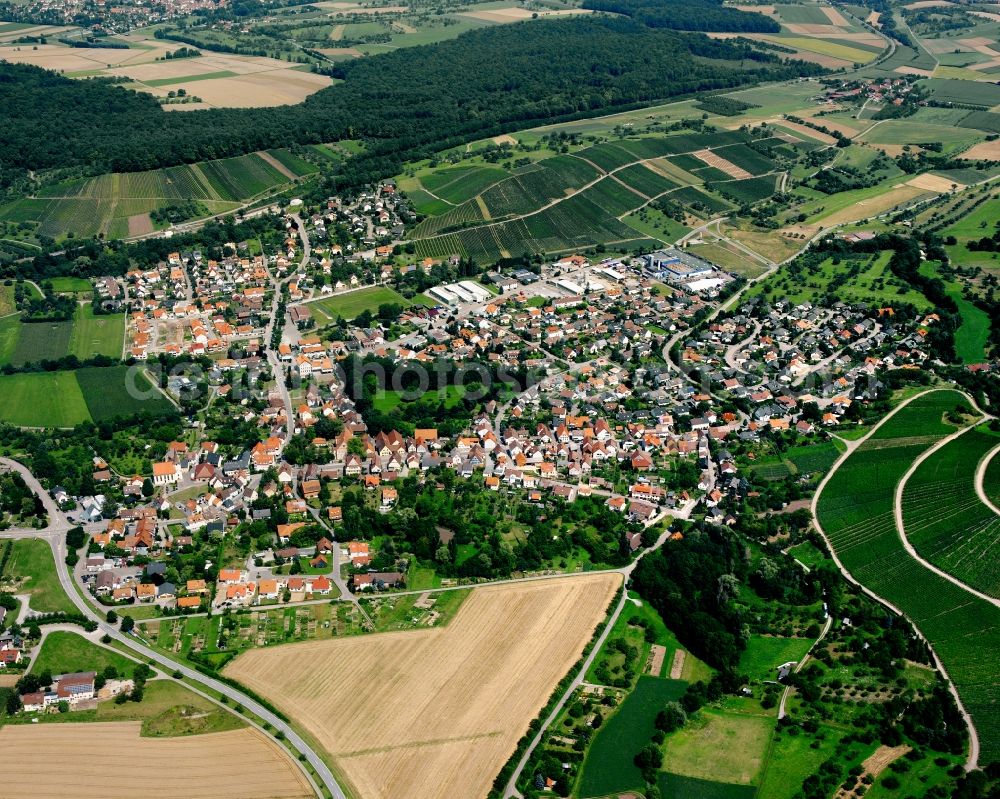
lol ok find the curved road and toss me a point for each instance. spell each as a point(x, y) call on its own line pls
point(55, 534)
point(981, 476)
point(852, 446)
point(901, 527)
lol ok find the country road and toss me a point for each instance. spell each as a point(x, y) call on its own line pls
point(55, 535)
point(511, 791)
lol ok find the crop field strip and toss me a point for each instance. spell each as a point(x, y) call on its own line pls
point(945, 520)
point(238, 763)
point(856, 510)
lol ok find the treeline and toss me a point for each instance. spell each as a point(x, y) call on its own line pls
point(93, 258)
point(686, 584)
point(688, 15)
point(405, 103)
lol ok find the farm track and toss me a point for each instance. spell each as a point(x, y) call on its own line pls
point(981, 476)
point(901, 527)
point(850, 448)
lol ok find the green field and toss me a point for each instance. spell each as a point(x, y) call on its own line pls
point(944, 518)
point(32, 559)
point(693, 750)
point(71, 285)
point(352, 303)
point(609, 767)
point(856, 512)
point(96, 335)
point(676, 786)
point(763, 655)
point(65, 399)
point(985, 95)
point(42, 399)
point(973, 333)
point(64, 652)
point(386, 401)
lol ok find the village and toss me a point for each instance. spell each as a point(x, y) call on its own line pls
point(583, 379)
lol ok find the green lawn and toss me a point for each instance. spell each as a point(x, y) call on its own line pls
point(763, 655)
point(693, 751)
point(10, 330)
point(792, 758)
point(386, 401)
point(42, 399)
point(32, 559)
point(64, 652)
point(352, 303)
point(168, 709)
point(71, 285)
point(96, 335)
point(974, 332)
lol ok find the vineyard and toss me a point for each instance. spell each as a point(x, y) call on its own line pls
point(856, 511)
point(565, 203)
point(945, 520)
point(89, 206)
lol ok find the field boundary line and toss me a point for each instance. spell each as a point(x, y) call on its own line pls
point(971, 762)
point(981, 475)
point(897, 509)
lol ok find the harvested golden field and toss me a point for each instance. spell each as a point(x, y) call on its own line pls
point(813, 29)
point(718, 162)
point(983, 151)
point(515, 14)
point(835, 17)
point(434, 714)
point(934, 183)
point(905, 70)
point(242, 764)
point(805, 130)
point(222, 80)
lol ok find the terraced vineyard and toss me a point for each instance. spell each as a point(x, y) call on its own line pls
point(945, 520)
point(578, 200)
point(856, 511)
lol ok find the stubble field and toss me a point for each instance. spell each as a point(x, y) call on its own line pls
point(435, 713)
point(238, 763)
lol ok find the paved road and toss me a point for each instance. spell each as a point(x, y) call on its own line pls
point(511, 791)
point(55, 534)
point(973, 758)
point(272, 356)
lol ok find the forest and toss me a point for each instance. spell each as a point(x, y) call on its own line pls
point(688, 15)
point(406, 102)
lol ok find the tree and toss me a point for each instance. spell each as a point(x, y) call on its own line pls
point(128, 624)
point(111, 617)
point(147, 488)
point(671, 718)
